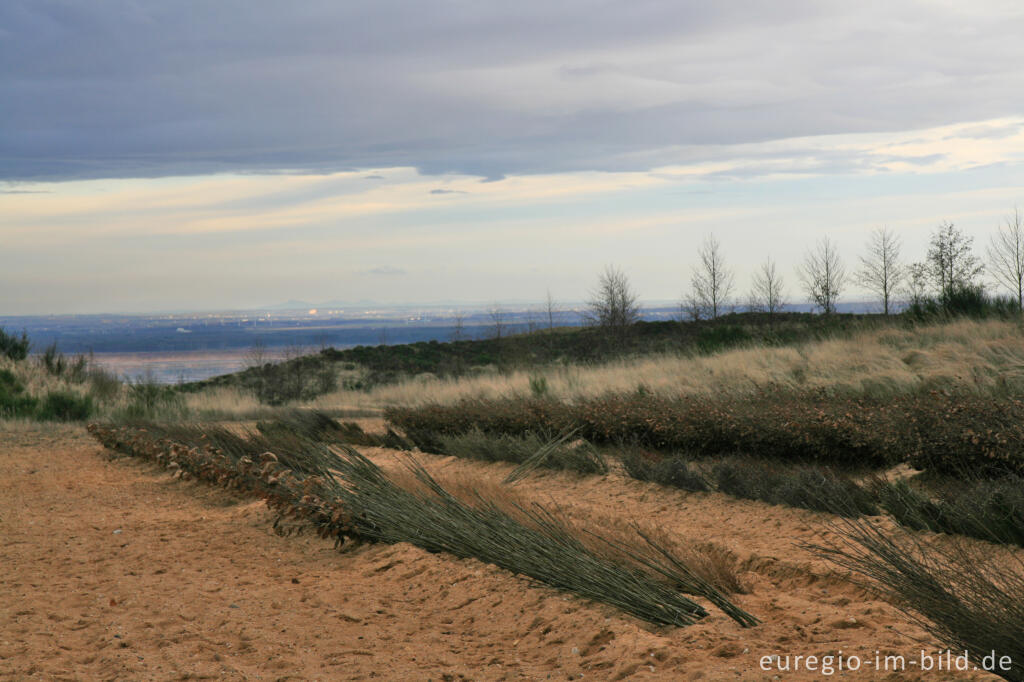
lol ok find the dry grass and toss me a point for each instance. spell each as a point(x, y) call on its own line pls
point(986, 357)
point(983, 356)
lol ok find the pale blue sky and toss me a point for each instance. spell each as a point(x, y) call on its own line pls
point(232, 154)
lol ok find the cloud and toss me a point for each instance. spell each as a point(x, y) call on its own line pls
point(448, 191)
point(385, 270)
point(145, 88)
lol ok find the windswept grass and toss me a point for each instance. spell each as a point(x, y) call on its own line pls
point(982, 357)
point(969, 598)
point(991, 510)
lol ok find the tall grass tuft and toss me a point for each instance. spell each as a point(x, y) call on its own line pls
point(968, 599)
point(991, 510)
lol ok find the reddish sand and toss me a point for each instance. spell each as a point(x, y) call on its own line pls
point(111, 569)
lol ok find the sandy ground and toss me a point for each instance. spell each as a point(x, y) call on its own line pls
point(110, 569)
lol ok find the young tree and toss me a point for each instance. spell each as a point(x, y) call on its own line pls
point(497, 316)
point(613, 305)
point(916, 288)
point(766, 291)
point(550, 310)
point(712, 281)
point(951, 262)
point(823, 276)
point(881, 270)
point(1006, 256)
point(691, 309)
point(458, 326)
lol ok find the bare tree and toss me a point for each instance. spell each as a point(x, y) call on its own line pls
point(256, 356)
point(550, 310)
point(823, 276)
point(916, 288)
point(881, 271)
point(691, 309)
point(951, 262)
point(613, 304)
point(458, 326)
point(766, 292)
point(1006, 256)
point(497, 316)
point(712, 281)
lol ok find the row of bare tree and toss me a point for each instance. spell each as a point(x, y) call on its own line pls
point(949, 266)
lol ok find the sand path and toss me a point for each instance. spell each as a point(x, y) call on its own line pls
point(114, 570)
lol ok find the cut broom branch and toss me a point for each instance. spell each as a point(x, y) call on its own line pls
point(346, 496)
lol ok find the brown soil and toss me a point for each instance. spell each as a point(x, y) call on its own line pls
point(111, 569)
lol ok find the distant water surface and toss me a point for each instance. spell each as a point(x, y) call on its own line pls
point(175, 367)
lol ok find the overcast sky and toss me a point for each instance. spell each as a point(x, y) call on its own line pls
point(224, 154)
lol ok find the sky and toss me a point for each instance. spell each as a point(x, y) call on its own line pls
point(202, 155)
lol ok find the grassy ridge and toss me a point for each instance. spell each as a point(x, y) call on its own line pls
point(382, 365)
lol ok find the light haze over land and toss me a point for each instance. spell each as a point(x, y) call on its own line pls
point(201, 155)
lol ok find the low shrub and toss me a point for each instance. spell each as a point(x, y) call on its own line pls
point(968, 435)
point(65, 406)
point(14, 401)
point(811, 427)
point(14, 347)
point(934, 430)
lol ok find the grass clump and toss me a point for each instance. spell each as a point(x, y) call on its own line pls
point(968, 599)
point(807, 487)
point(991, 510)
point(675, 471)
point(530, 448)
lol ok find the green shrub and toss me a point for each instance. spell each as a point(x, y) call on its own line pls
point(65, 406)
point(14, 402)
point(14, 347)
